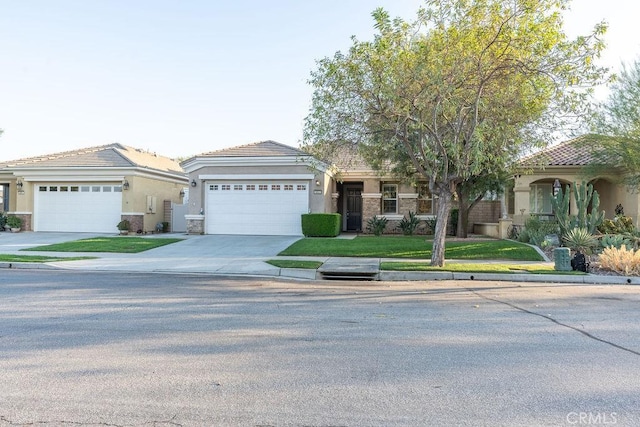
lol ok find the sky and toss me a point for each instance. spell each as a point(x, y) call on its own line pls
point(185, 77)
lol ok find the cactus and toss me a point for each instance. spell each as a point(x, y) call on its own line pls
point(584, 195)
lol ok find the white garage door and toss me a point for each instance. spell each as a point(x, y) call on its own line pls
point(77, 207)
point(259, 208)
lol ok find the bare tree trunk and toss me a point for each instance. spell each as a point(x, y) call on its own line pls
point(440, 234)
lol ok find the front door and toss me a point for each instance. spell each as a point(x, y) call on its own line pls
point(353, 208)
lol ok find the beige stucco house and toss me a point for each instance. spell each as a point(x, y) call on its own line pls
point(91, 189)
point(263, 188)
point(562, 165)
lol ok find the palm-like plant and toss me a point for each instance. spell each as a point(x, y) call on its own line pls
point(580, 240)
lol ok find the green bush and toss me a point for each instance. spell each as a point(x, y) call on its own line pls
point(537, 229)
point(14, 221)
point(615, 241)
point(377, 224)
point(409, 225)
point(321, 224)
point(617, 225)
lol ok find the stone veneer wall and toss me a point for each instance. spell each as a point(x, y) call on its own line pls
point(26, 221)
point(195, 224)
point(136, 222)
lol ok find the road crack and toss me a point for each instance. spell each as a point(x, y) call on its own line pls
point(557, 322)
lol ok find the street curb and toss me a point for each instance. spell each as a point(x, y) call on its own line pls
point(387, 276)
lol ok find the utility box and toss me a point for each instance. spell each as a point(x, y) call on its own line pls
point(562, 259)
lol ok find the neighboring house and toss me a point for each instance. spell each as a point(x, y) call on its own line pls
point(91, 189)
point(263, 188)
point(260, 189)
point(562, 165)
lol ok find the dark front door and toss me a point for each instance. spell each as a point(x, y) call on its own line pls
point(354, 208)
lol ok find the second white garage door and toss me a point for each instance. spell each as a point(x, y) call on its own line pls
point(259, 208)
point(77, 207)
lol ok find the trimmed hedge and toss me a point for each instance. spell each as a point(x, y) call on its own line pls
point(321, 224)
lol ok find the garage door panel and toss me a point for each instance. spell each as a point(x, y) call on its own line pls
point(264, 208)
point(77, 207)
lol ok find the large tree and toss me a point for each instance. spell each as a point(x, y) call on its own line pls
point(453, 95)
point(617, 129)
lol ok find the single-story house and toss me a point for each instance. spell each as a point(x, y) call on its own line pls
point(561, 165)
point(263, 188)
point(92, 189)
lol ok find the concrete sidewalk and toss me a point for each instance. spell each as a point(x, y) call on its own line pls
point(239, 255)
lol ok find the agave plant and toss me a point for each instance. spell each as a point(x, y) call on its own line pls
point(580, 239)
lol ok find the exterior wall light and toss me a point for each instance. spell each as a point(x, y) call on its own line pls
point(19, 184)
point(193, 183)
point(125, 185)
point(181, 192)
point(556, 187)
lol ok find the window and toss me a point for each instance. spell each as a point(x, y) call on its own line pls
point(53, 188)
point(42, 188)
point(226, 187)
point(288, 187)
point(263, 187)
point(389, 198)
point(95, 189)
point(251, 187)
point(302, 187)
point(74, 188)
point(213, 187)
point(426, 201)
point(275, 187)
point(237, 187)
point(85, 189)
point(540, 199)
point(64, 188)
point(105, 189)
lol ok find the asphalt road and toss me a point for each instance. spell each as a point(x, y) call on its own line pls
point(94, 349)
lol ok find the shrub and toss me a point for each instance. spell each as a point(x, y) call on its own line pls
point(377, 224)
point(321, 224)
point(431, 225)
point(617, 225)
point(3, 220)
point(409, 225)
point(580, 239)
point(614, 240)
point(537, 229)
point(124, 225)
point(14, 221)
point(623, 261)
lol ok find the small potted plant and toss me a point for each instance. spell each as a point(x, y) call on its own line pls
point(123, 226)
point(14, 223)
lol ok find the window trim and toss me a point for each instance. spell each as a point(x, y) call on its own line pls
point(389, 199)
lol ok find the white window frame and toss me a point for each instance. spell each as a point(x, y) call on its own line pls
point(540, 198)
point(387, 190)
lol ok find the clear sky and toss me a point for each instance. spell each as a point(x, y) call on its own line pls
point(184, 77)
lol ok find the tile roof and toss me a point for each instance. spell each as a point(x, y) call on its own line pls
point(257, 149)
point(574, 152)
point(106, 156)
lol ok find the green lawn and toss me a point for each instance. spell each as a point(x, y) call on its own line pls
point(292, 263)
point(39, 258)
point(122, 244)
point(411, 247)
point(475, 268)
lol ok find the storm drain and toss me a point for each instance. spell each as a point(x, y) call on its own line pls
point(350, 269)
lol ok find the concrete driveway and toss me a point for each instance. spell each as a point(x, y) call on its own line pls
point(220, 254)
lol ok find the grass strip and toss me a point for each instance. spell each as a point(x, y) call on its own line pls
point(411, 247)
point(291, 263)
point(40, 258)
point(475, 268)
point(122, 244)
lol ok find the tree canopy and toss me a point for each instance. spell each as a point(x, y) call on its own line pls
point(455, 94)
point(617, 128)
